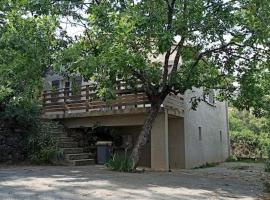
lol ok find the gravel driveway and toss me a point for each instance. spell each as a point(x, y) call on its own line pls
point(227, 181)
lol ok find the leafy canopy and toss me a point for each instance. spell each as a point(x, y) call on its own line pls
point(210, 44)
point(27, 49)
point(28, 45)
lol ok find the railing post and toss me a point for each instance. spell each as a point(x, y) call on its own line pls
point(87, 98)
point(65, 97)
point(118, 95)
point(43, 101)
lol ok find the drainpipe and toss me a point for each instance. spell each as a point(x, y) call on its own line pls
point(228, 134)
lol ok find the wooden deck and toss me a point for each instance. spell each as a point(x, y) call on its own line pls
point(84, 102)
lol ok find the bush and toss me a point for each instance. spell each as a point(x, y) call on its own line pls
point(232, 158)
point(119, 163)
point(43, 146)
point(249, 136)
point(21, 113)
point(267, 164)
point(246, 144)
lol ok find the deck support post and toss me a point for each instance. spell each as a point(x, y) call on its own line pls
point(159, 143)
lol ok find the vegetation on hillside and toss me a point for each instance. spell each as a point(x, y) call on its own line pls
point(28, 43)
point(250, 136)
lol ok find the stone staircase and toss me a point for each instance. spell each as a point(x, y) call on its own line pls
point(73, 154)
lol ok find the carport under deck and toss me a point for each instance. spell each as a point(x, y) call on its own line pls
point(127, 110)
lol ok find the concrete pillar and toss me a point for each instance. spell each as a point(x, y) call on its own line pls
point(176, 143)
point(159, 143)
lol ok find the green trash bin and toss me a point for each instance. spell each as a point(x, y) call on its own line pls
point(103, 151)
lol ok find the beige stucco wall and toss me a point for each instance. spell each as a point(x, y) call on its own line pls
point(212, 120)
point(159, 143)
point(176, 143)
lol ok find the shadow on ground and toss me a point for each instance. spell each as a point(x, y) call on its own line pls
point(96, 182)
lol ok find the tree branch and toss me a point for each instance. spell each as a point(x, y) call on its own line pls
point(149, 89)
point(168, 53)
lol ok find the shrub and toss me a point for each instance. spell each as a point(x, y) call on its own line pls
point(249, 135)
point(119, 163)
point(231, 158)
point(267, 164)
point(246, 144)
point(43, 146)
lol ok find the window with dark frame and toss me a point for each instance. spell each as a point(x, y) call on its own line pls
point(55, 84)
point(200, 133)
point(67, 84)
point(55, 87)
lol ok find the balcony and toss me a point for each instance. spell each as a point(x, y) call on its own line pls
point(84, 102)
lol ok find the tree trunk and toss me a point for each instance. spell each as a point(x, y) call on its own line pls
point(144, 134)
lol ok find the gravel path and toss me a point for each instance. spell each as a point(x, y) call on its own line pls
point(227, 181)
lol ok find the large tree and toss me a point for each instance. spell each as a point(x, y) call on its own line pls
point(29, 40)
point(220, 44)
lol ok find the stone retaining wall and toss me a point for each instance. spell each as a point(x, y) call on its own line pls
point(12, 146)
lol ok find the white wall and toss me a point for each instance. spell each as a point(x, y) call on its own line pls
point(212, 120)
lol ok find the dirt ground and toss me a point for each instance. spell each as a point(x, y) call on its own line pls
point(226, 181)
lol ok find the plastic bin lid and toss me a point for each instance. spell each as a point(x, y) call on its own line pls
point(104, 143)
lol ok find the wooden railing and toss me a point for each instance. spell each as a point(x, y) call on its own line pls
point(85, 99)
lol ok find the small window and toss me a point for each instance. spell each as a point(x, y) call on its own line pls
point(55, 84)
point(67, 84)
point(220, 135)
point(55, 87)
point(200, 133)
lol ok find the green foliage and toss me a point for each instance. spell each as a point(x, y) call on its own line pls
point(119, 163)
point(42, 146)
point(28, 44)
point(231, 158)
point(21, 113)
point(216, 43)
point(250, 136)
point(267, 164)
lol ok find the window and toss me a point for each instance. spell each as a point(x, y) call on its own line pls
point(200, 133)
point(55, 84)
point(209, 97)
point(76, 88)
point(67, 84)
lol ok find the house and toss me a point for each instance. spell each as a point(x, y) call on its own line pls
point(180, 137)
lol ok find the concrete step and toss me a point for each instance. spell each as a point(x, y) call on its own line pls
point(52, 124)
point(72, 150)
point(90, 149)
point(68, 144)
point(78, 156)
point(83, 162)
point(65, 139)
point(59, 133)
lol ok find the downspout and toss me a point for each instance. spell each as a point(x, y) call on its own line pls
point(228, 132)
